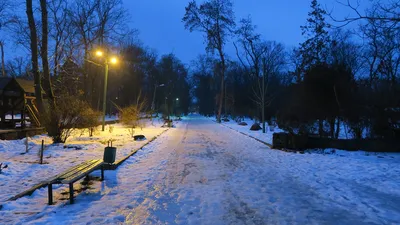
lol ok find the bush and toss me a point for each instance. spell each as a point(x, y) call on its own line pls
point(129, 117)
point(89, 120)
point(70, 113)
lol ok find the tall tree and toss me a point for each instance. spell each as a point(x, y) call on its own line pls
point(215, 18)
point(252, 60)
point(35, 56)
point(314, 48)
point(5, 19)
point(60, 21)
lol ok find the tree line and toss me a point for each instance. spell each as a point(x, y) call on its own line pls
point(61, 38)
point(339, 80)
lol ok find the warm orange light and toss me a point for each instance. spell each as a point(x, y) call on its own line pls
point(113, 60)
point(99, 53)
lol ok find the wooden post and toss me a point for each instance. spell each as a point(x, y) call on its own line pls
point(71, 193)
point(22, 119)
point(26, 143)
point(50, 191)
point(41, 152)
point(102, 172)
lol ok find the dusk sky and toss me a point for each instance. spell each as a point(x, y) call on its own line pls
point(160, 23)
point(160, 26)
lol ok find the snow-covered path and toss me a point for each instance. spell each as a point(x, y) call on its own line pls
point(204, 173)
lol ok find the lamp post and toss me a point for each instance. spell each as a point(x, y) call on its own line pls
point(176, 106)
point(154, 95)
point(113, 60)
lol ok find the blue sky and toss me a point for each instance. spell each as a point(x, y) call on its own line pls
point(160, 26)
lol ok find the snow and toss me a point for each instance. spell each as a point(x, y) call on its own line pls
point(23, 171)
point(110, 118)
point(266, 137)
point(204, 173)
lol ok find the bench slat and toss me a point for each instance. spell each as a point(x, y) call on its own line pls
point(81, 174)
point(53, 179)
point(78, 168)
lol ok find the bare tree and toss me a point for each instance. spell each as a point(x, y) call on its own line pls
point(252, 60)
point(61, 22)
point(387, 12)
point(261, 59)
point(84, 20)
point(5, 19)
point(345, 51)
point(35, 56)
point(19, 66)
point(215, 18)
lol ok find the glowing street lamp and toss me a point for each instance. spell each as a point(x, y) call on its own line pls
point(99, 53)
point(112, 60)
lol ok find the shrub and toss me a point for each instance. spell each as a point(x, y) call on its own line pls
point(89, 119)
point(71, 113)
point(130, 115)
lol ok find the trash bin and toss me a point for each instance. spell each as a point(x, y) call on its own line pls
point(109, 153)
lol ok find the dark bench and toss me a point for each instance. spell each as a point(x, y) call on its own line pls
point(74, 174)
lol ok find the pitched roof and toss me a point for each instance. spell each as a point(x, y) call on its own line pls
point(27, 85)
point(4, 81)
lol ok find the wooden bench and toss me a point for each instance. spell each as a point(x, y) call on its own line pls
point(74, 174)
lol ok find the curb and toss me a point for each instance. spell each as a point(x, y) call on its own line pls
point(268, 144)
point(263, 142)
point(109, 167)
point(119, 162)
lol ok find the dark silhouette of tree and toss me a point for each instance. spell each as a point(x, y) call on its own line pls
point(261, 59)
point(215, 18)
point(314, 49)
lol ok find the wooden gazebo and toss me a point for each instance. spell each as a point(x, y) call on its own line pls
point(17, 104)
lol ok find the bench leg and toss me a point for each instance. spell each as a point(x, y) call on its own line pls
point(71, 193)
point(102, 172)
point(50, 191)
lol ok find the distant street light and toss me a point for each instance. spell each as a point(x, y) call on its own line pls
point(112, 60)
point(154, 95)
point(177, 99)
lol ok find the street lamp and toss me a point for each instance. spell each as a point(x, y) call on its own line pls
point(154, 95)
point(112, 60)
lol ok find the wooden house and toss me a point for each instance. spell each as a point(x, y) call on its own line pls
point(17, 104)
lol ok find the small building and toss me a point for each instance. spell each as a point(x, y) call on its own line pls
point(17, 104)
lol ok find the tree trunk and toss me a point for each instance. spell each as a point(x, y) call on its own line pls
point(34, 56)
point(263, 104)
point(321, 127)
point(221, 96)
point(337, 128)
point(332, 126)
point(51, 125)
point(44, 55)
point(225, 106)
point(3, 69)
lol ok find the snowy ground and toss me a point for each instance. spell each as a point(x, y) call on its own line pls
point(23, 170)
point(266, 137)
point(204, 173)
